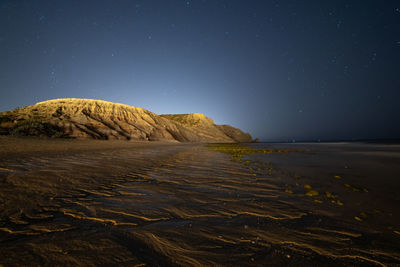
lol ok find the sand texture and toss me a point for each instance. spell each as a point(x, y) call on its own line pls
point(109, 203)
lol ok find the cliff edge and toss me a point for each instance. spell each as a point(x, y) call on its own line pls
point(97, 119)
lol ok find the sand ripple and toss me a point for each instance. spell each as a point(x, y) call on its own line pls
point(175, 205)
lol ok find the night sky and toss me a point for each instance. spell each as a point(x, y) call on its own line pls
point(278, 69)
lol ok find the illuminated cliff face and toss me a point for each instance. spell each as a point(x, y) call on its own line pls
point(85, 118)
point(206, 127)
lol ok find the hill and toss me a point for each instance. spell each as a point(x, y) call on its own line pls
point(207, 129)
point(97, 119)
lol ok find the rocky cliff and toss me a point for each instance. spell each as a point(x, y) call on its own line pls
point(207, 129)
point(85, 118)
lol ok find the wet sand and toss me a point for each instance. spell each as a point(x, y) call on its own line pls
point(91, 203)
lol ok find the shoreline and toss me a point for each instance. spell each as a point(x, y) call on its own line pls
point(74, 202)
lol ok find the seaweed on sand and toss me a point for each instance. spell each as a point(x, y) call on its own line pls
point(237, 151)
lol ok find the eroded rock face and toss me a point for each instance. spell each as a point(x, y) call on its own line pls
point(85, 118)
point(207, 129)
point(235, 133)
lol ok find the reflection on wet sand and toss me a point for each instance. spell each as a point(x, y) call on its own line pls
point(187, 205)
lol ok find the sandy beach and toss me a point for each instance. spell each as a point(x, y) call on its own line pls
point(89, 203)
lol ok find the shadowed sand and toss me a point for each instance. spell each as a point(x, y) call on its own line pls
point(85, 203)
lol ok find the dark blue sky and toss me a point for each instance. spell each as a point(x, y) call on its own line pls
point(278, 69)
